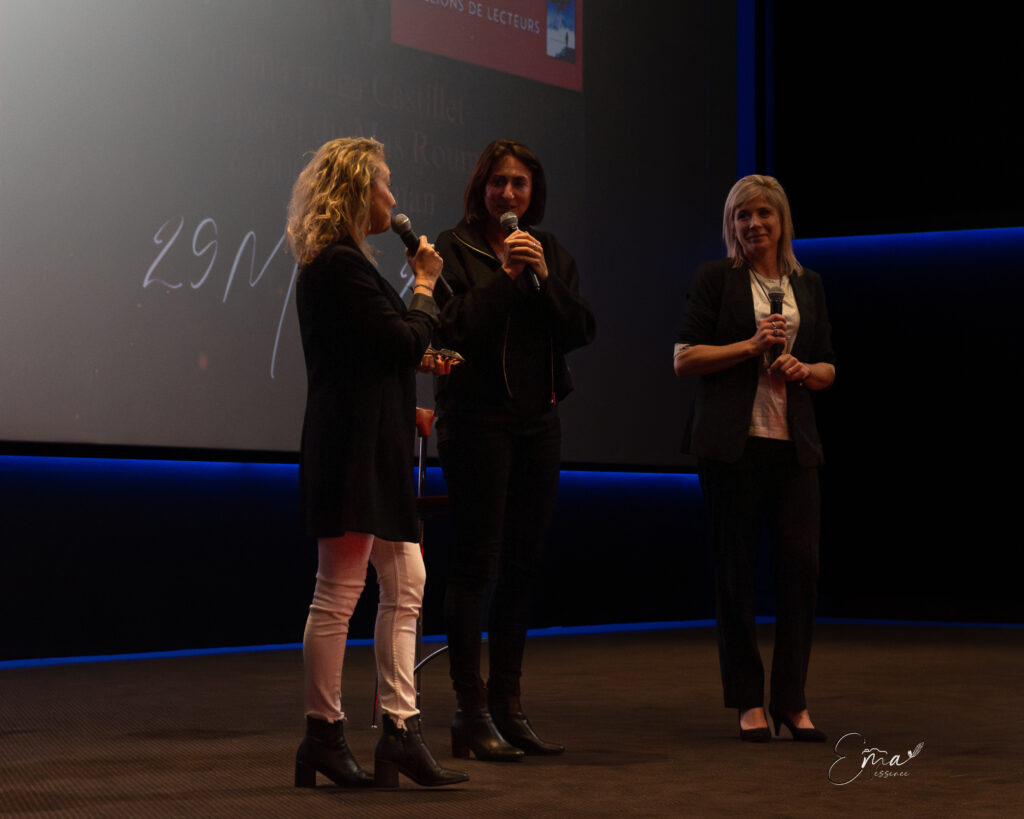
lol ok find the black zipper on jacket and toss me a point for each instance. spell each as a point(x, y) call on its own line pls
point(508, 326)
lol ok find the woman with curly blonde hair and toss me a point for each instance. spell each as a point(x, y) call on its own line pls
point(361, 345)
point(332, 196)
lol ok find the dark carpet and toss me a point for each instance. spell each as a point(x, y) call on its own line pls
point(640, 714)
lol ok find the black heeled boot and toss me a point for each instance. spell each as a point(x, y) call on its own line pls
point(404, 751)
point(474, 731)
point(324, 749)
point(509, 719)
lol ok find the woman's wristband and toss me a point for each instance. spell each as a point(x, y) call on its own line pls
point(428, 288)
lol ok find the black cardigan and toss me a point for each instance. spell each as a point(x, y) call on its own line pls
point(361, 345)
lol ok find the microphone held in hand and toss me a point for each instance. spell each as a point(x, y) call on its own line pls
point(510, 223)
point(401, 225)
point(775, 298)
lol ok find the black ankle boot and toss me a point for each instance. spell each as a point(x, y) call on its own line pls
point(403, 750)
point(474, 731)
point(324, 749)
point(508, 716)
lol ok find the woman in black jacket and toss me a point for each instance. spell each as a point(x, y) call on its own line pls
point(757, 444)
point(514, 314)
point(361, 345)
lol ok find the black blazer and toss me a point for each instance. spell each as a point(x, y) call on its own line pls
point(361, 345)
point(720, 310)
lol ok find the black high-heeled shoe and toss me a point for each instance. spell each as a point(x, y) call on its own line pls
point(402, 750)
point(753, 734)
point(799, 734)
point(510, 720)
point(324, 749)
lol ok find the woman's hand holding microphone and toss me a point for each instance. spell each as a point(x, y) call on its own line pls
point(771, 331)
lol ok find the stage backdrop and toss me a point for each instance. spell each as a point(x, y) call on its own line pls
point(147, 151)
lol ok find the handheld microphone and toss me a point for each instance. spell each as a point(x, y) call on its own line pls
point(510, 222)
point(776, 295)
point(401, 225)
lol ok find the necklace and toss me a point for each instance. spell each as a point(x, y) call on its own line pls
point(760, 281)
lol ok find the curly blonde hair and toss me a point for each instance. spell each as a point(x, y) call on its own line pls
point(747, 189)
point(331, 197)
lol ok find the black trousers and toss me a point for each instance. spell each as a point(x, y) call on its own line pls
point(765, 487)
point(502, 476)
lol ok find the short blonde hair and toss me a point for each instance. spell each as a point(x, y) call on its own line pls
point(331, 197)
point(768, 188)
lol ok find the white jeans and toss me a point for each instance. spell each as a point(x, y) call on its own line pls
point(340, 577)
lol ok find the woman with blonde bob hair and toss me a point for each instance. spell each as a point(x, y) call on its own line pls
point(767, 187)
point(361, 346)
point(757, 335)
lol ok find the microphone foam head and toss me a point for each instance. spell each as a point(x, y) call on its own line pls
point(509, 221)
point(400, 223)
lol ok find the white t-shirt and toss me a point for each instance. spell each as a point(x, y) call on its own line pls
point(768, 417)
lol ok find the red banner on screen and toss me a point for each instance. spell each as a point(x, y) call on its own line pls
point(539, 39)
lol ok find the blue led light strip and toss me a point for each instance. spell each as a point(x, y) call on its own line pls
point(556, 631)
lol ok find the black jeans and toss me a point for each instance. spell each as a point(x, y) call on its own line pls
point(502, 476)
point(766, 486)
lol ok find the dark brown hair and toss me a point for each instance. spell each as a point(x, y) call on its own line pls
point(492, 154)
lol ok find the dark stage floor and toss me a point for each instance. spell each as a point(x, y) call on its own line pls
point(639, 712)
